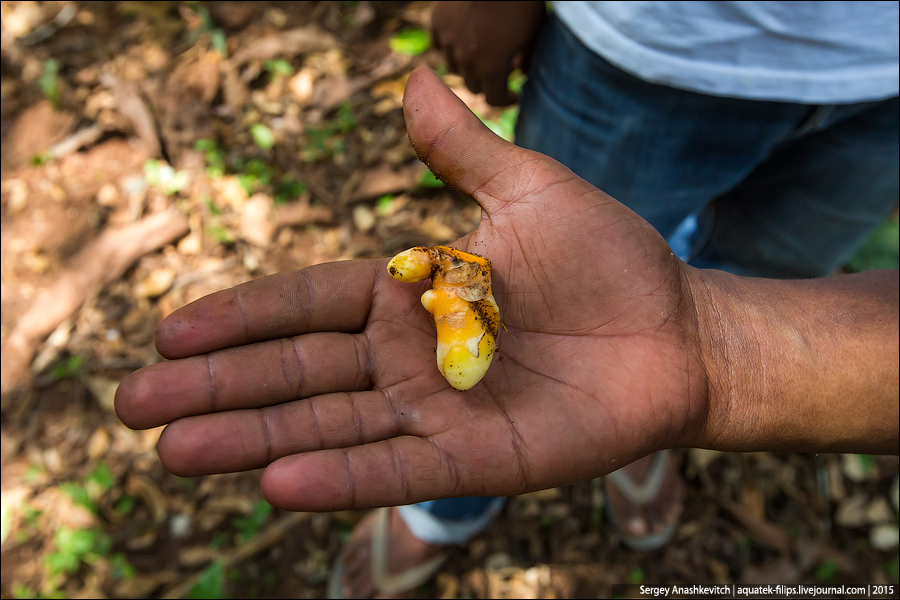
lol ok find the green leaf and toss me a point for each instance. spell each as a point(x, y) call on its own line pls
point(102, 477)
point(880, 251)
point(516, 81)
point(31, 514)
point(40, 159)
point(279, 67)
point(125, 504)
point(219, 43)
point(74, 546)
point(211, 206)
point(68, 369)
point(289, 189)
point(21, 590)
point(383, 204)
point(411, 41)
point(262, 136)
point(203, 13)
point(428, 180)
point(211, 583)
point(250, 525)
point(220, 234)
point(163, 176)
point(636, 576)
point(827, 570)
point(892, 567)
point(505, 124)
point(121, 568)
point(345, 121)
point(33, 472)
point(49, 81)
point(249, 182)
point(215, 157)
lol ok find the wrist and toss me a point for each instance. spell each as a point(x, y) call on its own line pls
point(805, 365)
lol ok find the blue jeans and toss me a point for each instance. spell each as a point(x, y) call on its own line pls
point(764, 189)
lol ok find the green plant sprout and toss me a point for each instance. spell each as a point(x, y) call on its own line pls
point(211, 206)
point(211, 583)
point(262, 136)
point(217, 34)
point(383, 204)
point(49, 81)
point(74, 547)
point(278, 68)
point(88, 492)
point(250, 525)
point(892, 567)
point(70, 368)
point(125, 505)
point(288, 189)
point(254, 174)
point(214, 157)
point(505, 124)
point(516, 80)
point(220, 234)
point(410, 41)
point(164, 177)
point(827, 570)
point(428, 180)
point(880, 251)
point(325, 142)
point(636, 576)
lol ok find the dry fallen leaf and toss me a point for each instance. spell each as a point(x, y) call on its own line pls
point(257, 223)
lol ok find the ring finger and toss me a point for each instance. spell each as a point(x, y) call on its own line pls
point(239, 440)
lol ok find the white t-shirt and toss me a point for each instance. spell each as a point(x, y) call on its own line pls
point(808, 52)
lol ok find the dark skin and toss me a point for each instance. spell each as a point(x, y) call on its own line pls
point(485, 41)
point(613, 349)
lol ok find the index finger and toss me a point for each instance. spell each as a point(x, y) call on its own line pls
point(328, 297)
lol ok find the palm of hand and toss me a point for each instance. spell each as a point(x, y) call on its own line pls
point(594, 352)
point(328, 376)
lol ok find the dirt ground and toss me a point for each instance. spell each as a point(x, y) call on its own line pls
point(154, 152)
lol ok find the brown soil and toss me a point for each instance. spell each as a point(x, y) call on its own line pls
point(99, 244)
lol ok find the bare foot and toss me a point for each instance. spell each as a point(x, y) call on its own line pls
point(405, 551)
point(646, 499)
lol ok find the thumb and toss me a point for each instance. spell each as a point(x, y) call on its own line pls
point(458, 148)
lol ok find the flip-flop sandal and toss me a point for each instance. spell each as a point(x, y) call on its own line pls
point(384, 583)
point(642, 494)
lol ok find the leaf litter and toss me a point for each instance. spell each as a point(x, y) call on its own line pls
point(157, 152)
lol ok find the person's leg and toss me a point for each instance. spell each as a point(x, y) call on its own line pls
point(663, 152)
point(450, 521)
point(398, 554)
point(813, 202)
point(668, 154)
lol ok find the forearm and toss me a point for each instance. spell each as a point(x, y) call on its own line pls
point(806, 365)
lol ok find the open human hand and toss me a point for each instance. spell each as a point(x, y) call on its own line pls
point(326, 376)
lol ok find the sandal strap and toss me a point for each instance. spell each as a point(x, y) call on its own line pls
point(384, 582)
point(643, 493)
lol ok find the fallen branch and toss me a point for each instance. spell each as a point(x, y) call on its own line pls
point(267, 537)
point(287, 44)
point(76, 141)
point(100, 262)
point(762, 531)
point(134, 109)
